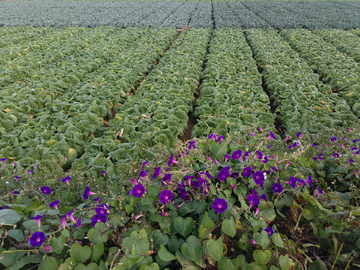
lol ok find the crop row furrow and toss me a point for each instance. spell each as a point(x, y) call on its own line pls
point(31, 96)
point(338, 70)
point(232, 98)
point(73, 120)
point(304, 102)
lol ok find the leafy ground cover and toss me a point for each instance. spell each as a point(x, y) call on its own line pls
point(214, 203)
point(247, 14)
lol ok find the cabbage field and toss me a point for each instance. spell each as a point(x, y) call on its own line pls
point(95, 96)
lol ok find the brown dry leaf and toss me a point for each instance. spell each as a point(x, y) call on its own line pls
point(145, 116)
point(111, 105)
point(31, 117)
point(121, 132)
point(7, 110)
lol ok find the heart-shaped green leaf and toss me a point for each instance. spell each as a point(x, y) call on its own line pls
point(48, 264)
point(183, 226)
point(215, 248)
point(262, 239)
point(57, 244)
point(191, 248)
point(9, 216)
point(262, 256)
point(17, 234)
point(175, 244)
point(165, 255)
point(229, 227)
point(80, 254)
point(99, 234)
point(159, 238)
point(97, 251)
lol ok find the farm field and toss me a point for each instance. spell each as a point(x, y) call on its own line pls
point(247, 14)
point(179, 135)
point(100, 95)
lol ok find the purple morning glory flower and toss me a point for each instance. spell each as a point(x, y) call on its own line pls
point(98, 218)
point(138, 190)
point(103, 209)
point(104, 172)
point(77, 223)
point(223, 174)
point(272, 136)
point(336, 155)
point(354, 141)
point(259, 155)
point(253, 198)
point(351, 160)
point(192, 145)
point(292, 182)
point(269, 230)
point(46, 190)
point(30, 171)
point(3, 160)
point(17, 177)
point(54, 204)
point(234, 175)
point(247, 172)
point(299, 135)
point(212, 136)
point(309, 181)
point(203, 175)
point(156, 172)
point(319, 191)
point(258, 177)
point(166, 179)
point(247, 153)
point(97, 200)
point(66, 180)
point(194, 185)
point(37, 239)
point(219, 205)
point(236, 155)
point(277, 188)
point(143, 173)
point(172, 161)
point(219, 139)
point(165, 196)
point(38, 219)
point(63, 221)
point(263, 197)
point(87, 192)
point(70, 216)
point(145, 163)
point(333, 139)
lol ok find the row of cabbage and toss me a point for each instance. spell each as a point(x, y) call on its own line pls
point(201, 18)
point(337, 69)
point(344, 41)
point(31, 59)
point(232, 97)
point(306, 14)
point(236, 15)
point(181, 16)
point(44, 121)
point(303, 102)
point(158, 113)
